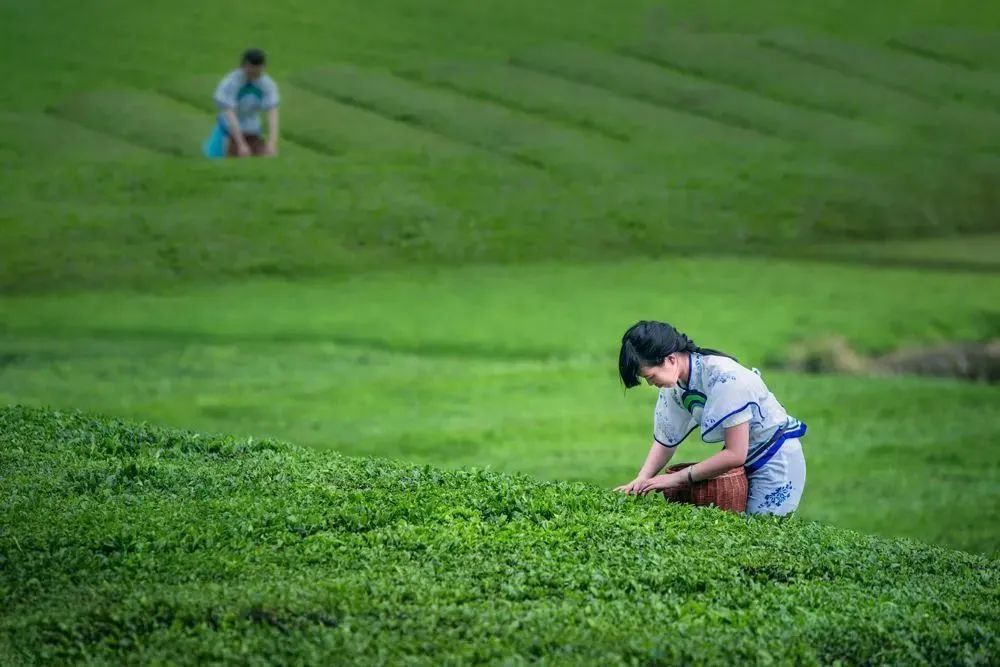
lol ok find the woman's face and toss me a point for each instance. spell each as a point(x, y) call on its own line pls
point(665, 375)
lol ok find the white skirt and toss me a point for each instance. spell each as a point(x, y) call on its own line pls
point(776, 487)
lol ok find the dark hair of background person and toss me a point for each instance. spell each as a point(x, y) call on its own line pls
point(254, 57)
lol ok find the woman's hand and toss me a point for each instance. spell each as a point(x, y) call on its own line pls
point(673, 480)
point(633, 487)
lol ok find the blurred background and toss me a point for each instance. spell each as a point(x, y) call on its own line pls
point(474, 200)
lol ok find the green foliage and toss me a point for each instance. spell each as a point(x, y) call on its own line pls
point(924, 79)
point(125, 541)
point(41, 138)
point(530, 141)
point(141, 118)
point(746, 64)
point(972, 51)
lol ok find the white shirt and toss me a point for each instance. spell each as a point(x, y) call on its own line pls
point(720, 393)
point(246, 98)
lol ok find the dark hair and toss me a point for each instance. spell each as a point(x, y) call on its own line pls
point(648, 343)
point(254, 57)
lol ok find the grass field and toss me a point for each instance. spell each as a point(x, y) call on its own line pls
point(472, 202)
point(456, 380)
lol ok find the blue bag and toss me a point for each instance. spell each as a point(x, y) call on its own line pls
point(215, 145)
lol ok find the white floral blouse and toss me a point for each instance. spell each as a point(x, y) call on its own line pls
point(720, 393)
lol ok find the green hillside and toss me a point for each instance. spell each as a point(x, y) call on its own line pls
point(472, 202)
point(123, 541)
point(608, 131)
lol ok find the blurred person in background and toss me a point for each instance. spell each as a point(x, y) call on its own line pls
point(241, 97)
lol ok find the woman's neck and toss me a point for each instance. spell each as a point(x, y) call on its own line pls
point(685, 374)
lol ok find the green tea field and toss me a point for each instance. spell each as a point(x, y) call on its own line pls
point(425, 292)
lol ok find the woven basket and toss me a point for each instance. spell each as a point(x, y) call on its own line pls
point(727, 491)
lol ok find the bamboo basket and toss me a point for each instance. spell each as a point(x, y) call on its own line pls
point(727, 491)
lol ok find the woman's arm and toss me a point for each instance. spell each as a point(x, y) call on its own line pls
point(733, 455)
point(658, 457)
